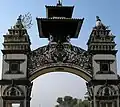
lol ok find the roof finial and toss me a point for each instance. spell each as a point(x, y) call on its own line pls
point(99, 24)
point(98, 18)
point(98, 21)
point(19, 22)
point(19, 18)
point(59, 3)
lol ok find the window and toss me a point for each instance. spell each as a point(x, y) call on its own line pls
point(14, 67)
point(104, 66)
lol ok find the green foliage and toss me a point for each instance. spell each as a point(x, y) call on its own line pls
point(68, 101)
point(83, 103)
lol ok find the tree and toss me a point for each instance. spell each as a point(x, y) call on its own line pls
point(83, 103)
point(68, 101)
point(26, 20)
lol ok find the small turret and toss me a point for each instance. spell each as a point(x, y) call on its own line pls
point(99, 24)
point(101, 39)
point(17, 38)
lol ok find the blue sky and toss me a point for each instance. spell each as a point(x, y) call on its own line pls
point(108, 10)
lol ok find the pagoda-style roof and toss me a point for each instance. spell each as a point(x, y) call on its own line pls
point(59, 27)
point(59, 23)
point(59, 11)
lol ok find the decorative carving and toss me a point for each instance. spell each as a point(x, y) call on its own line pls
point(51, 38)
point(106, 90)
point(68, 39)
point(61, 53)
point(13, 91)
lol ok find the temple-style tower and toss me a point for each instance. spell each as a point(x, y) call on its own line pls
point(59, 26)
point(104, 86)
point(14, 84)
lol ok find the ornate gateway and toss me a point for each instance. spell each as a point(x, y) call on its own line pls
point(97, 64)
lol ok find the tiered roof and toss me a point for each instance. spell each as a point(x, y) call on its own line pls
point(59, 23)
point(101, 38)
point(17, 38)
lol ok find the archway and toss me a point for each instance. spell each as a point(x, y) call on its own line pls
point(60, 57)
point(52, 58)
point(97, 64)
point(48, 87)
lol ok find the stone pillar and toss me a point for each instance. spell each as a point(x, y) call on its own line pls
point(14, 70)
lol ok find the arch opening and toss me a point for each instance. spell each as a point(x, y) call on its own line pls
point(56, 84)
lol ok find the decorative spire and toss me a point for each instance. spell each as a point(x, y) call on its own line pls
point(98, 19)
point(19, 18)
point(101, 38)
point(19, 22)
point(99, 24)
point(59, 3)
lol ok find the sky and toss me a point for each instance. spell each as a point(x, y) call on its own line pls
point(49, 86)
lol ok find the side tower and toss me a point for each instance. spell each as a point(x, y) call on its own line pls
point(14, 85)
point(101, 45)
